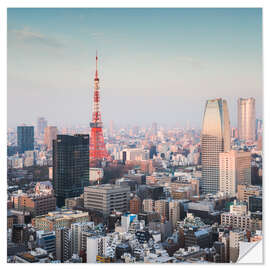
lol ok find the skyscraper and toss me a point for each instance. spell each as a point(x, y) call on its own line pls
point(50, 135)
point(41, 125)
point(246, 119)
point(215, 139)
point(235, 169)
point(25, 138)
point(70, 166)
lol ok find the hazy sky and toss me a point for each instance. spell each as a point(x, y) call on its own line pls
point(154, 64)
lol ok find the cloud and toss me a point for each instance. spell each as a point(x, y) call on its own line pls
point(27, 35)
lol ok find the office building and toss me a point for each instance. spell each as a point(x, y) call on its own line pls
point(246, 119)
point(58, 219)
point(70, 166)
point(215, 139)
point(36, 204)
point(50, 134)
point(245, 191)
point(41, 125)
point(106, 198)
point(235, 169)
point(47, 241)
point(236, 221)
point(255, 203)
point(25, 138)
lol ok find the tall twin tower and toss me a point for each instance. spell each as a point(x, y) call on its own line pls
point(97, 148)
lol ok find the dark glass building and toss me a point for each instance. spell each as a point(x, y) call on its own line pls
point(70, 166)
point(25, 138)
point(255, 203)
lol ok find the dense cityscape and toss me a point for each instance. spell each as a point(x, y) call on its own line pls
point(136, 194)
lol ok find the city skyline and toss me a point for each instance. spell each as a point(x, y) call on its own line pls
point(57, 60)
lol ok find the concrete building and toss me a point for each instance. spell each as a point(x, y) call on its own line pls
point(215, 139)
point(135, 205)
point(75, 202)
point(236, 236)
point(239, 209)
point(50, 134)
point(162, 207)
point(63, 244)
point(58, 219)
point(47, 241)
point(77, 230)
point(96, 246)
point(246, 119)
point(174, 212)
point(245, 191)
point(37, 204)
point(106, 198)
point(148, 205)
point(235, 169)
point(236, 221)
point(95, 174)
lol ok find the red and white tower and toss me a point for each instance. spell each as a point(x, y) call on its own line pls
point(97, 149)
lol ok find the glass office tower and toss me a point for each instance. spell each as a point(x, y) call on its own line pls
point(70, 166)
point(25, 138)
point(215, 138)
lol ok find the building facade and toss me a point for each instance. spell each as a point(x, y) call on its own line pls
point(70, 166)
point(246, 119)
point(215, 139)
point(50, 134)
point(235, 169)
point(25, 138)
point(106, 198)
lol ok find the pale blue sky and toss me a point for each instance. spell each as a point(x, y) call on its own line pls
point(155, 64)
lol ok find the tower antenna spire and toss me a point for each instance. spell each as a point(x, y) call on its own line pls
point(97, 147)
point(96, 65)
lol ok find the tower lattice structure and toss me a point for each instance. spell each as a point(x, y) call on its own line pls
point(97, 148)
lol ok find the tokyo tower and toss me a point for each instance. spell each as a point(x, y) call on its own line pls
point(97, 149)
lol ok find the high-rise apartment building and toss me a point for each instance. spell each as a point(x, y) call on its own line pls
point(63, 244)
point(162, 207)
point(96, 245)
point(50, 134)
point(235, 169)
point(148, 205)
point(25, 138)
point(70, 166)
point(135, 205)
point(174, 212)
point(235, 237)
point(246, 119)
point(215, 139)
point(41, 125)
point(77, 230)
point(107, 198)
